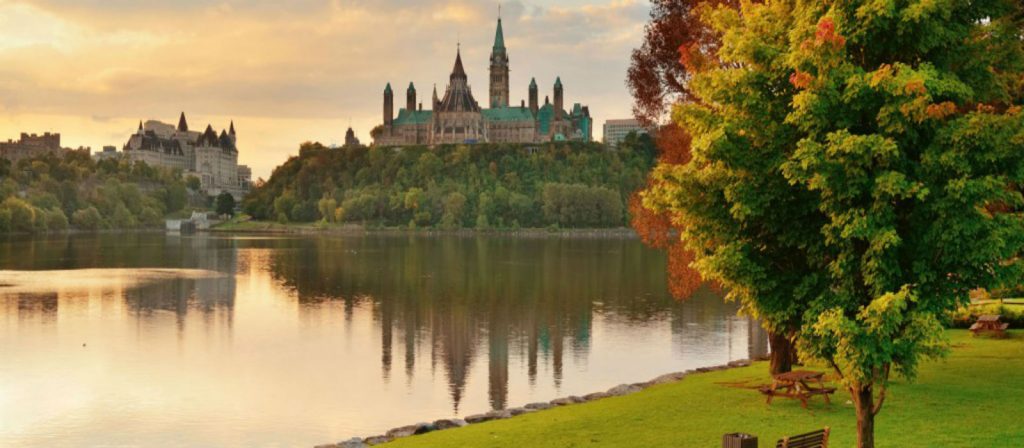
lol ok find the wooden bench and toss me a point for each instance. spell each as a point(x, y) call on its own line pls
point(816, 439)
point(990, 323)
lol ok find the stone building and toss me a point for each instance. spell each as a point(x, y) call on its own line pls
point(458, 118)
point(31, 145)
point(207, 155)
point(616, 130)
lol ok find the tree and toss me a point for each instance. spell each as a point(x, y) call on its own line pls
point(856, 170)
point(225, 204)
point(193, 183)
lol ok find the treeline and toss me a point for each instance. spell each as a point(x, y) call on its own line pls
point(457, 186)
point(56, 193)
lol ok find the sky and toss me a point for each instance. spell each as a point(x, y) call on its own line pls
point(290, 72)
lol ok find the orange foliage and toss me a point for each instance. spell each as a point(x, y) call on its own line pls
point(800, 79)
point(826, 34)
point(941, 110)
point(673, 144)
point(915, 86)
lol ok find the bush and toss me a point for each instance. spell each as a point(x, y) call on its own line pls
point(966, 316)
point(23, 215)
point(87, 219)
point(56, 220)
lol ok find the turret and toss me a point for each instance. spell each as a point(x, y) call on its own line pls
point(559, 97)
point(231, 133)
point(436, 100)
point(140, 127)
point(410, 98)
point(533, 97)
point(182, 124)
point(389, 105)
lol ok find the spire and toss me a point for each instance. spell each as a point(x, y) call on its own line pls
point(140, 125)
point(388, 88)
point(499, 36)
point(558, 81)
point(411, 87)
point(182, 124)
point(533, 83)
point(231, 130)
point(458, 70)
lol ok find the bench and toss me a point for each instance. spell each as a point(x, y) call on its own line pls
point(796, 385)
point(815, 439)
point(990, 323)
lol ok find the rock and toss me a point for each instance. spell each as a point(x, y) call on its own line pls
point(477, 418)
point(643, 385)
point(423, 428)
point(403, 431)
point(669, 378)
point(499, 414)
point(596, 396)
point(739, 363)
point(376, 440)
point(518, 411)
point(354, 442)
point(449, 423)
point(567, 401)
point(623, 389)
point(329, 445)
point(539, 406)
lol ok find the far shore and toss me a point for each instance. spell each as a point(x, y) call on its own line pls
point(268, 227)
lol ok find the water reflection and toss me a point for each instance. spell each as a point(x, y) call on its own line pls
point(284, 347)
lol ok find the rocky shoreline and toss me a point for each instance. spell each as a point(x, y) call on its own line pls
point(501, 414)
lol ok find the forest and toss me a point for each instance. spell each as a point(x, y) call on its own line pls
point(484, 186)
point(57, 193)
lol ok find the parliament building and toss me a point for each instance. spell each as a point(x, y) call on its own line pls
point(458, 118)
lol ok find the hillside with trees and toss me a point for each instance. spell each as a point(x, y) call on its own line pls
point(51, 193)
point(487, 186)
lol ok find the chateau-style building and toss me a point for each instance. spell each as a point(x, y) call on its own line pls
point(207, 155)
point(30, 146)
point(458, 118)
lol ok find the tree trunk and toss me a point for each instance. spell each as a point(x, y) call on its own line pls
point(865, 403)
point(783, 354)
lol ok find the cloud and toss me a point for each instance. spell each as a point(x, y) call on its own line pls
point(281, 63)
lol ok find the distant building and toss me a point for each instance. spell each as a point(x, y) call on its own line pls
point(207, 155)
point(350, 138)
point(458, 118)
point(615, 131)
point(31, 145)
point(109, 152)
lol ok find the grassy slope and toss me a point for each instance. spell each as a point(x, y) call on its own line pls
point(974, 398)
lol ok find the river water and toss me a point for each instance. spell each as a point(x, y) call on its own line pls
point(219, 340)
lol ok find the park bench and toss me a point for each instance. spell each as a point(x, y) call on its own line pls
point(816, 439)
point(796, 385)
point(990, 323)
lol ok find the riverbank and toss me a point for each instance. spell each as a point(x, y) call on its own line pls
point(969, 399)
point(252, 226)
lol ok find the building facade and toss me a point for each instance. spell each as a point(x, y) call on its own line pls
point(31, 145)
point(616, 130)
point(207, 155)
point(458, 118)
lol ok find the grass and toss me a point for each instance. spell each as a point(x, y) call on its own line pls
point(973, 398)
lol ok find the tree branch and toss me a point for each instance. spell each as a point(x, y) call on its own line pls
point(882, 388)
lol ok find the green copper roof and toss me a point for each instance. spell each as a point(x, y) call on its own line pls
point(533, 83)
point(499, 37)
point(508, 114)
point(388, 88)
point(406, 116)
point(544, 117)
point(411, 87)
point(558, 81)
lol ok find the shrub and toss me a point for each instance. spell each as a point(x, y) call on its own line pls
point(87, 219)
point(966, 316)
point(56, 220)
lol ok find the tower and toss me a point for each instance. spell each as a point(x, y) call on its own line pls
point(499, 70)
point(559, 97)
point(433, 104)
point(231, 133)
point(389, 105)
point(410, 98)
point(533, 97)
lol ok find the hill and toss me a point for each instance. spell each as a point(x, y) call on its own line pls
point(566, 185)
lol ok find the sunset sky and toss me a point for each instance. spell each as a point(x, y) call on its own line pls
point(288, 72)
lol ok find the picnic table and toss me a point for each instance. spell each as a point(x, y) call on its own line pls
point(798, 385)
point(990, 323)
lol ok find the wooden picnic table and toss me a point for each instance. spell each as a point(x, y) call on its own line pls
point(990, 323)
point(798, 385)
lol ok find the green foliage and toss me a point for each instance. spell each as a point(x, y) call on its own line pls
point(455, 186)
point(966, 316)
point(40, 194)
point(855, 173)
point(225, 204)
point(581, 206)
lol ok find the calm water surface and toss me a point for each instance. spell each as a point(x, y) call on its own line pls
point(163, 340)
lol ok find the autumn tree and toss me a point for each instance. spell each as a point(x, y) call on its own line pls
point(855, 167)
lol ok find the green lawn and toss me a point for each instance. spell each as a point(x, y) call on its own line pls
point(974, 398)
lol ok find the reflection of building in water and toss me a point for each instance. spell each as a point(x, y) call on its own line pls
point(213, 298)
point(459, 297)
